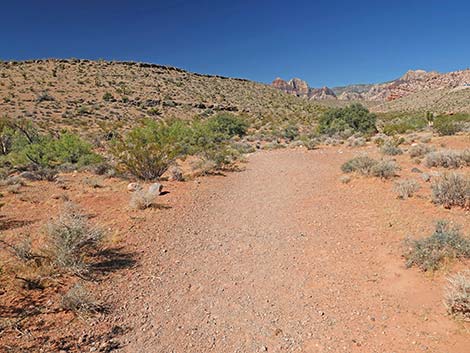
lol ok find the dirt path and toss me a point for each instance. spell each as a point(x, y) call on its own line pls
point(283, 257)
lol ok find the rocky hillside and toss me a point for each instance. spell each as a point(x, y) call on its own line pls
point(411, 84)
point(82, 94)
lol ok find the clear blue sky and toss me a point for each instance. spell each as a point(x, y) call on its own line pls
point(325, 42)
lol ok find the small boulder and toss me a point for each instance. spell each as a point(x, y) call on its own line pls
point(134, 187)
point(416, 170)
point(155, 189)
point(29, 176)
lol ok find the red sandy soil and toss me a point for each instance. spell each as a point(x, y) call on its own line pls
point(281, 257)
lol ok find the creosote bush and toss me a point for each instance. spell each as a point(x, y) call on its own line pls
point(406, 188)
point(451, 189)
point(457, 296)
point(149, 150)
point(445, 243)
point(72, 239)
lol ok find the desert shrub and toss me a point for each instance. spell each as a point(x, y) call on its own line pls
point(444, 244)
point(345, 179)
point(71, 239)
point(384, 169)
point(406, 188)
point(290, 132)
point(404, 124)
point(448, 159)
point(390, 148)
point(141, 200)
point(354, 117)
point(227, 124)
point(354, 141)
point(450, 124)
point(108, 97)
point(147, 151)
point(79, 300)
point(457, 296)
point(46, 151)
point(360, 164)
point(451, 189)
point(420, 150)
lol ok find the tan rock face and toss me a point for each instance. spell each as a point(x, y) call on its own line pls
point(300, 88)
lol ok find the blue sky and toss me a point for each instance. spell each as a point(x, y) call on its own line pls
point(324, 42)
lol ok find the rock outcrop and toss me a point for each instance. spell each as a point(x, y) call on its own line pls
point(411, 82)
point(300, 88)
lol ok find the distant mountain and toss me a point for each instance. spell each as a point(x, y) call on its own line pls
point(411, 82)
point(300, 88)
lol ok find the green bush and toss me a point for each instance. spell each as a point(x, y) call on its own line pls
point(445, 243)
point(147, 151)
point(50, 152)
point(354, 117)
point(108, 97)
point(227, 124)
point(450, 124)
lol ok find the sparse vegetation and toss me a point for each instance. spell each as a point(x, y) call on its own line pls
point(420, 150)
point(390, 148)
point(71, 239)
point(451, 189)
point(406, 188)
point(457, 296)
point(79, 300)
point(444, 244)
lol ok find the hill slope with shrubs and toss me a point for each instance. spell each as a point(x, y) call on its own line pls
point(90, 96)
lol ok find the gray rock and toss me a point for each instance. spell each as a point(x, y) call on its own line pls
point(155, 188)
point(29, 176)
point(416, 170)
point(134, 187)
point(426, 177)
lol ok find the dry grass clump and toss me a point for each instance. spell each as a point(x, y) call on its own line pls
point(406, 188)
point(457, 297)
point(448, 159)
point(451, 189)
point(445, 243)
point(420, 150)
point(141, 200)
point(79, 300)
point(71, 239)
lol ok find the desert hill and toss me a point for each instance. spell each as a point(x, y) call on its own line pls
point(80, 94)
